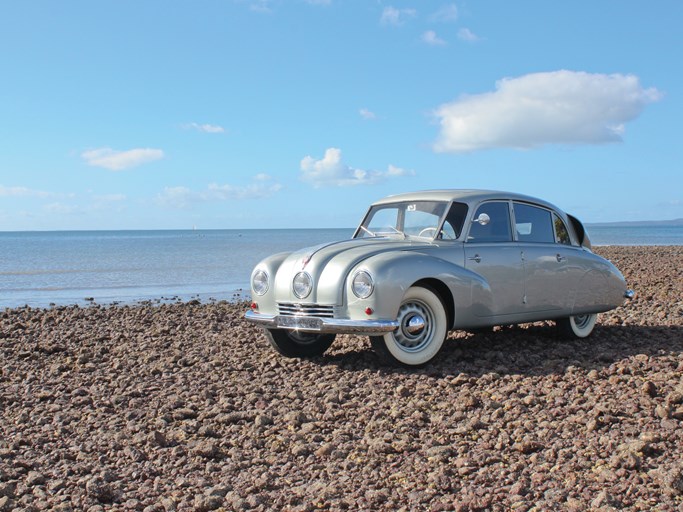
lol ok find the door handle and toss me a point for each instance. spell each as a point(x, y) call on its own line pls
point(476, 258)
point(561, 258)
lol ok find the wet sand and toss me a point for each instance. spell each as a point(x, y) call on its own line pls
point(186, 407)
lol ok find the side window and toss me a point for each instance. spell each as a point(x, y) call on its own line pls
point(561, 233)
point(497, 229)
point(533, 224)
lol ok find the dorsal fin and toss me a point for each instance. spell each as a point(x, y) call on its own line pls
point(580, 232)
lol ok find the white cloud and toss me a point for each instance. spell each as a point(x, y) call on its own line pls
point(110, 198)
point(176, 197)
point(396, 17)
point(432, 39)
point(60, 208)
point(183, 197)
point(262, 6)
point(465, 34)
point(670, 203)
point(392, 170)
point(331, 171)
point(447, 13)
point(367, 114)
point(263, 188)
point(267, 6)
point(120, 160)
point(93, 203)
point(205, 128)
point(558, 107)
point(107, 202)
point(23, 192)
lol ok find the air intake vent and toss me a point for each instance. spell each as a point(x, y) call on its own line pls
point(314, 310)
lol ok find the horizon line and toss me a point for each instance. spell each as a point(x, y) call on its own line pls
point(633, 223)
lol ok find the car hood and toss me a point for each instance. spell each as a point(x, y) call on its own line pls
point(329, 265)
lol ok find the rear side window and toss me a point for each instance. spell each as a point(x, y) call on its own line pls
point(561, 233)
point(533, 224)
point(498, 227)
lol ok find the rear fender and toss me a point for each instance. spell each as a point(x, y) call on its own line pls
point(600, 289)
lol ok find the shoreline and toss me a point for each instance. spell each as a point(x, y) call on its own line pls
point(237, 294)
point(184, 406)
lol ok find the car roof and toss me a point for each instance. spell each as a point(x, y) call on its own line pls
point(469, 196)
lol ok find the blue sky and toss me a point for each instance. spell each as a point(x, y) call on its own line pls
point(136, 114)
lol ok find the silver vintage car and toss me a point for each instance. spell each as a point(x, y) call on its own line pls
point(424, 263)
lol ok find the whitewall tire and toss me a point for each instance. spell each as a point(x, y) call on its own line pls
point(579, 326)
point(423, 326)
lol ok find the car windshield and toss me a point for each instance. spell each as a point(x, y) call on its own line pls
point(411, 219)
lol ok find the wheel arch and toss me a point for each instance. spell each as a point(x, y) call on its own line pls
point(444, 293)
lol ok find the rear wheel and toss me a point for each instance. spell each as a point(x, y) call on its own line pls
point(578, 326)
point(299, 344)
point(421, 332)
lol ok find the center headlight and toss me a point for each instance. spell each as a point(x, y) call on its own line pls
point(302, 285)
point(362, 284)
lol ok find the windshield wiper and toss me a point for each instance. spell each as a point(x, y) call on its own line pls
point(395, 232)
point(399, 232)
point(368, 231)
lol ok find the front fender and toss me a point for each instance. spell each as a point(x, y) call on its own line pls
point(394, 273)
point(271, 265)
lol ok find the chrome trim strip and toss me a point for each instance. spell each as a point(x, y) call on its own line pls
point(299, 309)
point(322, 325)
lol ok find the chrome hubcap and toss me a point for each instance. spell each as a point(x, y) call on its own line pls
point(416, 325)
point(416, 329)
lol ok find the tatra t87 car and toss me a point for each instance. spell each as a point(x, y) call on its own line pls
point(423, 264)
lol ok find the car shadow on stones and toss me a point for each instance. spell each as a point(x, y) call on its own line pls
point(529, 350)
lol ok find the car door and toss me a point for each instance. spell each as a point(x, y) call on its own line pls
point(550, 268)
point(491, 252)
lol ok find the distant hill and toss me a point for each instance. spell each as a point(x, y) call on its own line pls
point(638, 223)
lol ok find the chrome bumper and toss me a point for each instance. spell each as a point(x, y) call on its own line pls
point(321, 325)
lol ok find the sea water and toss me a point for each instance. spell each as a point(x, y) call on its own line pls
point(40, 269)
point(651, 234)
point(78, 267)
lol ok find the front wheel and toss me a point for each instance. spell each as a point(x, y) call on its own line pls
point(421, 332)
point(578, 326)
point(299, 344)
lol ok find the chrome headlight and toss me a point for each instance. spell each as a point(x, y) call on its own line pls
point(302, 285)
point(259, 282)
point(362, 284)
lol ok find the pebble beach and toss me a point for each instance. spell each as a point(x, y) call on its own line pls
point(185, 407)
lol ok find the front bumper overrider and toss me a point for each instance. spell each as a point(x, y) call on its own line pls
point(321, 325)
